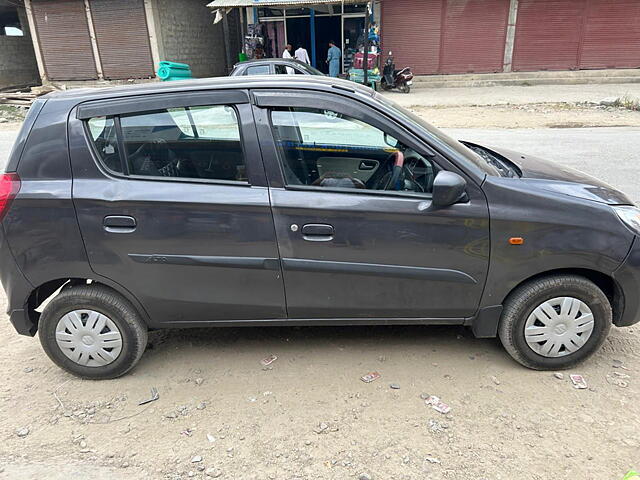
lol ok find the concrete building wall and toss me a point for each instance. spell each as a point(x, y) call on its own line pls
point(187, 35)
point(17, 59)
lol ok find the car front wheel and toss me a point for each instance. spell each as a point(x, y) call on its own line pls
point(92, 332)
point(555, 322)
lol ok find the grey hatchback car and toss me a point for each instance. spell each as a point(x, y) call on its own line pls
point(297, 200)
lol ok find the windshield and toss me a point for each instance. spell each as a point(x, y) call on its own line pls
point(455, 145)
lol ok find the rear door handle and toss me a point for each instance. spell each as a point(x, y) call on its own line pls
point(119, 224)
point(317, 232)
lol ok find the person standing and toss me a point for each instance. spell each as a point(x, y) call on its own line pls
point(288, 49)
point(302, 55)
point(288, 54)
point(333, 59)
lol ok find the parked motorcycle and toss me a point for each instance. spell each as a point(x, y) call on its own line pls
point(398, 79)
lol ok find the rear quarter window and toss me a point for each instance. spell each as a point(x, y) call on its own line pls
point(102, 131)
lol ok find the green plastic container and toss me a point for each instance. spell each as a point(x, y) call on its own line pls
point(242, 57)
point(168, 71)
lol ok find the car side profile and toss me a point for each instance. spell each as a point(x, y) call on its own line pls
point(274, 66)
point(297, 200)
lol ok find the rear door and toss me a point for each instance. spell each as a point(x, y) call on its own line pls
point(173, 205)
point(354, 241)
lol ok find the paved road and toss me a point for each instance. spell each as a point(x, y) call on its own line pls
point(611, 154)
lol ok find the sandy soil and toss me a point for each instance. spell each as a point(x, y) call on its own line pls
point(538, 115)
point(245, 421)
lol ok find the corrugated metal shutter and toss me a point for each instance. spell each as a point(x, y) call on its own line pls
point(548, 34)
point(611, 34)
point(63, 35)
point(411, 30)
point(474, 36)
point(123, 38)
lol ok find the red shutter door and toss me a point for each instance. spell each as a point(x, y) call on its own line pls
point(611, 34)
point(474, 36)
point(122, 38)
point(63, 35)
point(548, 34)
point(411, 30)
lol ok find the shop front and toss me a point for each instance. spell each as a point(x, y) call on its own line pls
point(310, 25)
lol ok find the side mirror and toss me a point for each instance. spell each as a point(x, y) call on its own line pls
point(448, 188)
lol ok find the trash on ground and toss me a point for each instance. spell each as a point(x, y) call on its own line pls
point(618, 379)
point(268, 360)
point(578, 382)
point(495, 379)
point(199, 381)
point(196, 459)
point(321, 428)
point(439, 406)
point(559, 375)
point(394, 386)
point(22, 431)
point(211, 438)
point(154, 396)
point(632, 475)
point(370, 377)
point(432, 460)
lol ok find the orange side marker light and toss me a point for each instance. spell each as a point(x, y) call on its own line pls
point(516, 240)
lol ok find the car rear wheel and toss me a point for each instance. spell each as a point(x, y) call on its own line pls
point(555, 322)
point(92, 332)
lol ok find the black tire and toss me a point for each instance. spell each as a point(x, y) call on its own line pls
point(521, 303)
point(107, 302)
point(405, 88)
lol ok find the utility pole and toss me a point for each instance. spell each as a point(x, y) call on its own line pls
point(367, 20)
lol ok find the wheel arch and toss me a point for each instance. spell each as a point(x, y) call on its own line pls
point(41, 293)
point(604, 282)
point(486, 321)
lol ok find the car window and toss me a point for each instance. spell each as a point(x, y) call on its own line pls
point(103, 133)
point(212, 122)
point(193, 142)
point(258, 70)
point(326, 149)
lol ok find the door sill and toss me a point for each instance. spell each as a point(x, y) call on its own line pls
point(280, 322)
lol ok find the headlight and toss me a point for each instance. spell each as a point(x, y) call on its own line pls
point(630, 216)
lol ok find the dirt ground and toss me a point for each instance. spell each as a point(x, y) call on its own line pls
point(219, 404)
point(308, 416)
point(537, 115)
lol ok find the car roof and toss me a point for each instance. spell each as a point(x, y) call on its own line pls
point(269, 60)
point(313, 82)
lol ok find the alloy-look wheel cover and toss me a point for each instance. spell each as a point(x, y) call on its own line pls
point(558, 327)
point(89, 338)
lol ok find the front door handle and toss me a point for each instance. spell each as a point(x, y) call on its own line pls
point(119, 224)
point(317, 232)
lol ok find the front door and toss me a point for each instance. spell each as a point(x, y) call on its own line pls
point(358, 236)
point(173, 205)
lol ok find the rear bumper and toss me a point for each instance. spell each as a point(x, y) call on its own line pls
point(17, 288)
point(627, 277)
point(22, 323)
